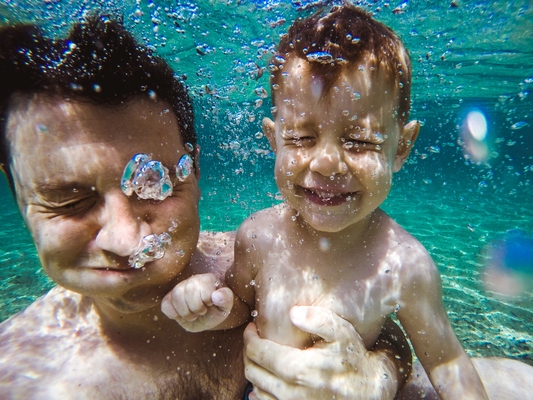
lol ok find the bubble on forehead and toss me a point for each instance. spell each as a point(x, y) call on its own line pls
point(148, 178)
point(184, 167)
point(150, 248)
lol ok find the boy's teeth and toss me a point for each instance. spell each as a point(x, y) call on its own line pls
point(325, 195)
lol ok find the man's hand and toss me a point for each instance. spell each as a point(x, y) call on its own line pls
point(338, 367)
point(197, 303)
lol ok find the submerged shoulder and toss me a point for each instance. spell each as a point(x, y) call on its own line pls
point(214, 252)
point(42, 342)
point(409, 253)
point(265, 222)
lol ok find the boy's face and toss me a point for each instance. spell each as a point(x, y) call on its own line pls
point(67, 164)
point(336, 152)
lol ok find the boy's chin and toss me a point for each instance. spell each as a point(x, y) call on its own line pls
point(326, 223)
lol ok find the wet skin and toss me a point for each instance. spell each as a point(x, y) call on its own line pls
point(68, 158)
point(336, 151)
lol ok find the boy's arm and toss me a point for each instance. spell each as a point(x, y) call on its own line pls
point(424, 318)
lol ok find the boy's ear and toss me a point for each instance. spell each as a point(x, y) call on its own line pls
point(197, 162)
point(408, 137)
point(269, 129)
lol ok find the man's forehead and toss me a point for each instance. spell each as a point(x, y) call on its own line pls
point(53, 118)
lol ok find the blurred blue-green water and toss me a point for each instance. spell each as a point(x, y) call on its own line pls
point(474, 56)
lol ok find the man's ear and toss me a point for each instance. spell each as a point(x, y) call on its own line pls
point(197, 162)
point(408, 137)
point(269, 128)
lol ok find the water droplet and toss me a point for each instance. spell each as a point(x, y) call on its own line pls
point(261, 92)
point(347, 145)
point(320, 56)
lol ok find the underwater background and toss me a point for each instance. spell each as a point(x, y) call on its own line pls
point(466, 191)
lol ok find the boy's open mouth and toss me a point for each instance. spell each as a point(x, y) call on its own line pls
point(327, 198)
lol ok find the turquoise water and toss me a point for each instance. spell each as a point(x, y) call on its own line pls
point(474, 56)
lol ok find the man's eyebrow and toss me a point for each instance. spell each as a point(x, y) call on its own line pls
point(60, 187)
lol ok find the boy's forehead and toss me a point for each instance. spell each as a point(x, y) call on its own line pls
point(361, 86)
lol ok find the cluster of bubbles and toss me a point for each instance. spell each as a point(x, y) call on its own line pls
point(150, 248)
point(150, 179)
point(146, 177)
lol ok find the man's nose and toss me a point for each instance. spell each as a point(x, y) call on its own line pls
point(121, 227)
point(328, 160)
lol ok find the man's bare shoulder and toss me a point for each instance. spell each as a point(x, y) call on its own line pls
point(214, 252)
point(42, 345)
point(59, 312)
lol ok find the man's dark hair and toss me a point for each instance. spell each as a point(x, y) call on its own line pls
point(99, 62)
point(347, 35)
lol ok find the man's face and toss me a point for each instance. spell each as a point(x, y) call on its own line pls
point(336, 150)
point(67, 162)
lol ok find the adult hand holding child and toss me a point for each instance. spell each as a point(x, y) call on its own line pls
point(339, 365)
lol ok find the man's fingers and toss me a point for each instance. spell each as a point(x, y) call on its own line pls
point(287, 363)
point(329, 326)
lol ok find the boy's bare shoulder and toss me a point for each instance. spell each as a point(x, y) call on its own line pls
point(404, 247)
point(267, 220)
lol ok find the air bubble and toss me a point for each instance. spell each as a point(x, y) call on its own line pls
point(150, 248)
point(184, 167)
point(261, 92)
point(148, 178)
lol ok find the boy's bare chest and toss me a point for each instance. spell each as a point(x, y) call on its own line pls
point(359, 289)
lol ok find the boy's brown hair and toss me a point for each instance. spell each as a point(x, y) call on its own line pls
point(336, 41)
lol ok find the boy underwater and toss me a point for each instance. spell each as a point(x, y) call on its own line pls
point(341, 96)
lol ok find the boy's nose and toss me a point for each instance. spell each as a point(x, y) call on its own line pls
point(328, 160)
point(121, 228)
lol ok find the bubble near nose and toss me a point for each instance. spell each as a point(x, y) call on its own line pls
point(148, 178)
point(150, 248)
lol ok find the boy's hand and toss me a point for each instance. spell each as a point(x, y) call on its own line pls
point(197, 304)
